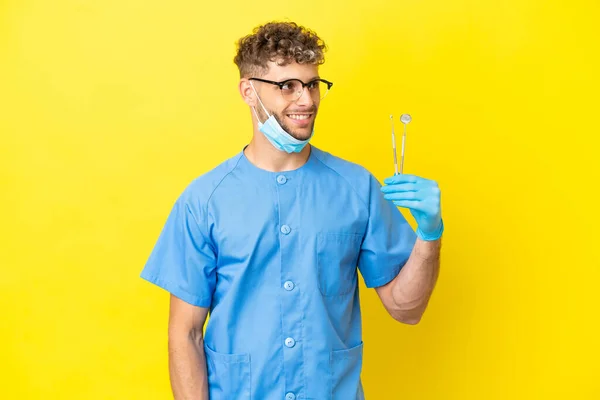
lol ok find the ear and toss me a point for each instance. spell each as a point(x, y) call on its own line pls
point(247, 93)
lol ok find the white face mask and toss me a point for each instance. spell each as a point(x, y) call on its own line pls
point(276, 134)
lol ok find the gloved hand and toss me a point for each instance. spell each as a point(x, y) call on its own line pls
point(422, 197)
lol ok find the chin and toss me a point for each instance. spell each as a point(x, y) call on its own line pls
point(301, 134)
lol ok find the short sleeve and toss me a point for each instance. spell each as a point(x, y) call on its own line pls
point(388, 241)
point(182, 261)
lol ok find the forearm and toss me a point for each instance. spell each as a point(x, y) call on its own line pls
point(187, 367)
point(412, 288)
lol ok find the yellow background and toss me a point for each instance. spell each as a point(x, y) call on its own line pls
point(108, 109)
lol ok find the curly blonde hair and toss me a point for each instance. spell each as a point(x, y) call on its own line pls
point(281, 42)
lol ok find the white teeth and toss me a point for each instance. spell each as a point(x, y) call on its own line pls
point(299, 116)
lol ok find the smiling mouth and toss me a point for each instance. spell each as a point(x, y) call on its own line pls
point(299, 117)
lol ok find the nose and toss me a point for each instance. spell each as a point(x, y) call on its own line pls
point(305, 98)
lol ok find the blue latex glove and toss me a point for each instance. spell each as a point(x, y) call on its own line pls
point(422, 197)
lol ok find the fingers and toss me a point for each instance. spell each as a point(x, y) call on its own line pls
point(402, 178)
point(402, 187)
point(423, 199)
point(412, 204)
point(408, 200)
point(413, 192)
point(402, 196)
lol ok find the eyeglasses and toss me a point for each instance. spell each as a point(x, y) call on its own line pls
point(292, 89)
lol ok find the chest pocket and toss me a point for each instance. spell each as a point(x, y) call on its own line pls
point(337, 258)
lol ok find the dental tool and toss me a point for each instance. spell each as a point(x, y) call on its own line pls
point(405, 119)
point(394, 146)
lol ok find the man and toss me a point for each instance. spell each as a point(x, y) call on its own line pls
point(270, 242)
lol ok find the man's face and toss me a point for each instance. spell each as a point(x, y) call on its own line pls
point(296, 117)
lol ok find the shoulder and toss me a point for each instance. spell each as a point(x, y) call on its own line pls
point(199, 191)
point(340, 165)
point(358, 177)
point(355, 174)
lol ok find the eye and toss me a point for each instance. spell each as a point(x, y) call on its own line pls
point(313, 85)
point(291, 86)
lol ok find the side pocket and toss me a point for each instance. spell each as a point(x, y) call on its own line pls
point(337, 259)
point(346, 366)
point(228, 375)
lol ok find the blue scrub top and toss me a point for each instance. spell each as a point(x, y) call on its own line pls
point(275, 255)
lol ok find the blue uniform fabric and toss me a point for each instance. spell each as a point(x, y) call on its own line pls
point(275, 257)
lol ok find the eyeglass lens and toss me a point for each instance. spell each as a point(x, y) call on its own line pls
point(292, 89)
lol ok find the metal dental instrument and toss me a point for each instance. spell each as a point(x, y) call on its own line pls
point(405, 119)
point(394, 146)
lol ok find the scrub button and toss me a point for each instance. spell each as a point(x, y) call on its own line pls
point(290, 396)
point(288, 285)
point(289, 342)
point(285, 229)
point(281, 179)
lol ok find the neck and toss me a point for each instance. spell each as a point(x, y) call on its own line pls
point(262, 154)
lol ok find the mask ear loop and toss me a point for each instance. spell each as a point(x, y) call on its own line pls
point(261, 103)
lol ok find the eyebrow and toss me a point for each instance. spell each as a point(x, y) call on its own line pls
point(310, 80)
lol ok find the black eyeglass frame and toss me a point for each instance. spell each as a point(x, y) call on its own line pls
point(280, 84)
